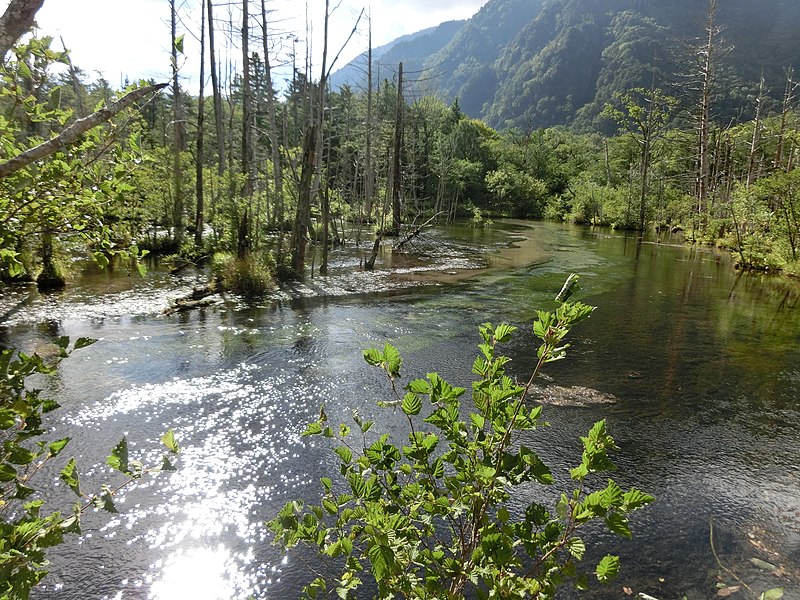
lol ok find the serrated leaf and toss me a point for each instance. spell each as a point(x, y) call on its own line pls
point(411, 404)
point(314, 428)
point(344, 453)
point(119, 457)
point(105, 501)
point(616, 523)
point(69, 475)
point(56, 447)
point(373, 357)
point(577, 548)
point(168, 439)
point(381, 557)
point(392, 359)
point(607, 568)
point(633, 499)
point(419, 386)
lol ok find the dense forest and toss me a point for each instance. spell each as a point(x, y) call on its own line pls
point(252, 177)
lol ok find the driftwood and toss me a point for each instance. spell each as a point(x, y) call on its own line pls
point(198, 297)
point(398, 247)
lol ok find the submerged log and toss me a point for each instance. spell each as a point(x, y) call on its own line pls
point(198, 298)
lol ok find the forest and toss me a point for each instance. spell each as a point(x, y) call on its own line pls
point(260, 180)
point(250, 174)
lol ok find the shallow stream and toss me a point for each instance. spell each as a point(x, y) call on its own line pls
point(696, 368)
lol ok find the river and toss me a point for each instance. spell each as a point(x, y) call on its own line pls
point(703, 364)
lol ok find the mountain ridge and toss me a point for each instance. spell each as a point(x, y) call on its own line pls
point(539, 63)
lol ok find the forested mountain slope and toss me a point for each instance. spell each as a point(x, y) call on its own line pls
point(537, 63)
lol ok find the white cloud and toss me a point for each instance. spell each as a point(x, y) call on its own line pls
point(130, 38)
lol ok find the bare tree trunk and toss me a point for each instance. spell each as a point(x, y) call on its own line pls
point(704, 116)
point(273, 126)
point(303, 214)
point(218, 116)
point(199, 221)
point(179, 135)
point(248, 162)
point(369, 178)
point(397, 176)
point(756, 139)
point(788, 100)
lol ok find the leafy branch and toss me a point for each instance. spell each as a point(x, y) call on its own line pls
point(431, 518)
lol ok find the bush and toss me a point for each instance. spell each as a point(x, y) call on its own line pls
point(250, 276)
point(430, 518)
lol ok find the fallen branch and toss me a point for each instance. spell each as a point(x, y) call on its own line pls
point(71, 134)
point(398, 247)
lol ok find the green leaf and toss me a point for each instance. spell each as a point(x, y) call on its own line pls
point(142, 269)
point(7, 418)
point(607, 568)
point(393, 360)
point(56, 447)
point(69, 475)
point(119, 457)
point(503, 332)
point(7, 472)
point(618, 524)
point(577, 548)
point(772, 594)
point(179, 44)
point(344, 453)
point(168, 439)
point(104, 501)
point(419, 386)
point(314, 428)
point(411, 404)
point(166, 465)
point(83, 342)
point(382, 559)
point(633, 499)
point(373, 357)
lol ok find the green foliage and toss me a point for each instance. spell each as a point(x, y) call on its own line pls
point(26, 531)
point(431, 517)
point(253, 275)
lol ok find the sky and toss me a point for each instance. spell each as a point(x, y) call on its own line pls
point(130, 39)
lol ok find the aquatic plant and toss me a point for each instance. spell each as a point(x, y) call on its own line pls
point(431, 518)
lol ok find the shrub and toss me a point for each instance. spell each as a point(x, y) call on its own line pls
point(430, 518)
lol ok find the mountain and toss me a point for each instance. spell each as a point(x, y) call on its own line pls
point(413, 49)
point(538, 63)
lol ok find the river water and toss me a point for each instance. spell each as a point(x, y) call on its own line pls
point(703, 364)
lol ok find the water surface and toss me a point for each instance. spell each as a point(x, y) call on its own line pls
point(704, 364)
